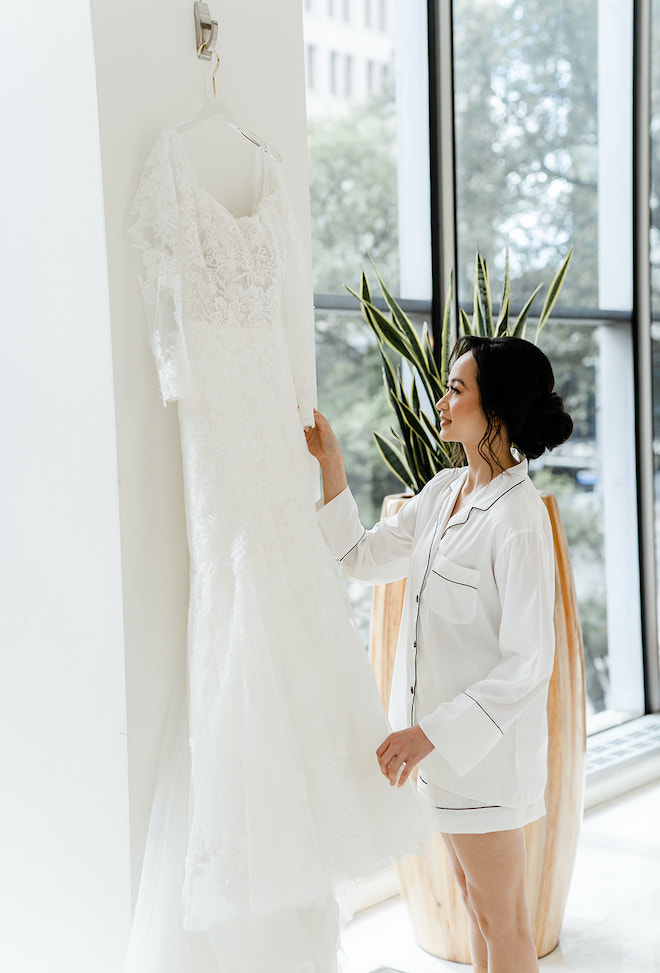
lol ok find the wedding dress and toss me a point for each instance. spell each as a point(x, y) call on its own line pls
point(278, 796)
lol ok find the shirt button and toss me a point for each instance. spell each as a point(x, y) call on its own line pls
point(414, 645)
point(417, 598)
point(412, 690)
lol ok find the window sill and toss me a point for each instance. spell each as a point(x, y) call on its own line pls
point(622, 758)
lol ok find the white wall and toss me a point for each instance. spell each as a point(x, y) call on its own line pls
point(149, 77)
point(64, 874)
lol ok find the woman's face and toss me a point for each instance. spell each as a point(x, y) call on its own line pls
point(462, 420)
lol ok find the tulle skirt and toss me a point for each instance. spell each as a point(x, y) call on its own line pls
point(286, 941)
point(269, 792)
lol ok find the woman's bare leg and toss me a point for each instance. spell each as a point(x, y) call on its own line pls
point(478, 947)
point(494, 868)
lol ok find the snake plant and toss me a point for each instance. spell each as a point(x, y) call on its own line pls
point(415, 452)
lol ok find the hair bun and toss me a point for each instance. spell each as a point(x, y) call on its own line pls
point(547, 425)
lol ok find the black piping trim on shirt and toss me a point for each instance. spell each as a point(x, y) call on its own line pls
point(438, 807)
point(354, 545)
point(481, 807)
point(484, 711)
point(426, 573)
point(464, 522)
point(452, 581)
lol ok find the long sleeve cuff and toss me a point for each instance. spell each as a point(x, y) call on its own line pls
point(461, 732)
point(340, 523)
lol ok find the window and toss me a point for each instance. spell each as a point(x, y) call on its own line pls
point(539, 166)
point(535, 147)
point(346, 8)
point(369, 181)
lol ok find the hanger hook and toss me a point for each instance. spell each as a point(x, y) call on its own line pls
point(206, 31)
point(215, 71)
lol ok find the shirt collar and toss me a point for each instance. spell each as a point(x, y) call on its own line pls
point(493, 490)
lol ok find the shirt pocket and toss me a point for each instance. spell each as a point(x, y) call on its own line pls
point(452, 591)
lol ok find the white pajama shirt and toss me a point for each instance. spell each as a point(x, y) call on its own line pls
point(476, 644)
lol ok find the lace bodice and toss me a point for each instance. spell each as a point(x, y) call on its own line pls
point(204, 266)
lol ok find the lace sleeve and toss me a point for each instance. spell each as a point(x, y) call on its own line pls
point(154, 232)
point(298, 310)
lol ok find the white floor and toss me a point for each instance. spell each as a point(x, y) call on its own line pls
point(612, 922)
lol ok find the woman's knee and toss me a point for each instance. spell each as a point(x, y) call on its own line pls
point(502, 916)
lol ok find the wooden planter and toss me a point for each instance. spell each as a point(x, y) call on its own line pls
point(427, 884)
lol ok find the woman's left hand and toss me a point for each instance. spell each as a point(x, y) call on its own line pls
point(405, 747)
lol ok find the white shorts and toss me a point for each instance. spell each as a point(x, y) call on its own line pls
point(454, 814)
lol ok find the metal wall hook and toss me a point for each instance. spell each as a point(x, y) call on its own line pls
point(206, 31)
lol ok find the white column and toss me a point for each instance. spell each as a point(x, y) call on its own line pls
point(65, 878)
point(413, 149)
point(615, 391)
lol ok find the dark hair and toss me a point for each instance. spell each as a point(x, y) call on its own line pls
point(516, 382)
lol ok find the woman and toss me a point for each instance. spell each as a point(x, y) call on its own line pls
point(476, 644)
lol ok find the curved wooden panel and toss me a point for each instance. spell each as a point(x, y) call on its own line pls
point(386, 607)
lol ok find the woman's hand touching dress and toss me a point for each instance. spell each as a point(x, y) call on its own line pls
point(400, 753)
point(324, 445)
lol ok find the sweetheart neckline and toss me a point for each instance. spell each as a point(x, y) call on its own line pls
point(256, 208)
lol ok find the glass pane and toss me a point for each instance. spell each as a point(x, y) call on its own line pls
point(572, 473)
point(367, 105)
point(543, 121)
point(351, 395)
point(527, 166)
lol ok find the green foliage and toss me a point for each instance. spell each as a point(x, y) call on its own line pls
point(526, 137)
point(353, 192)
point(416, 452)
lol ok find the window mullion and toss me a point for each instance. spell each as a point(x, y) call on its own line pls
point(441, 118)
point(643, 350)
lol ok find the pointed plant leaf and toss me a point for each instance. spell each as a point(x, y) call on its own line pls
point(365, 292)
point(465, 326)
point(427, 344)
point(503, 319)
point(422, 467)
point(394, 459)
point(389, 375)
point(413, 421)
point(553, 292)
point(477, 323)
point(426, 369)
point(502, 325)
point(384, 329)
point(445, 348)
point(483, 297)
point(433, 430)
point(519, 327)
point(414, 397)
